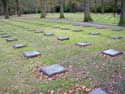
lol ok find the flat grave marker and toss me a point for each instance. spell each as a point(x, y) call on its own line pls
point(76, 24)
point(77, 30)
point(16, 46)
point(10, 39)
point(64, 28)
point(49, 34)
point(39, 31)
point(31, 54)
point(98, 91)
point(3, 33)
point(94, 33)
point(116, 37)
point(111, 52)
point(83, 44)
point(62, 38)
point(53, 70)
point(117, 29)
point(5, 36)
point(100, 27)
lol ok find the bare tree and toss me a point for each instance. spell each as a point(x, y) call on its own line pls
point(122, 15)
point(18, 11)
point(87, 16)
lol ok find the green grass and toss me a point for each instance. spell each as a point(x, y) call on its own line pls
point(107, 18)
point(16, 72)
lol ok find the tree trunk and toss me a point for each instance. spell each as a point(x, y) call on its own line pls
point(95, 8)
point(18, 12)
point(102, 8)
point(122, 15)
point(5, 8)
point(115, 7)
point(62, 9)
point(6, 12)
point(43, 4)
point(87, 16)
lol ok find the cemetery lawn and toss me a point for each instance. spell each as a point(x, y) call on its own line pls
point(85, 66)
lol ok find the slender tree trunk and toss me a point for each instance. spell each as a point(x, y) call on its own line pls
point(62, 9)
point(95, 8)
point(122, 15)
point(115, 7)
point(6, 11)
point(5, 8)
point(18, 12)
point(102, 8)
point(87, 16)
point(43, 4)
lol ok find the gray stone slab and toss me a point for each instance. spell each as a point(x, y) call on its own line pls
point(77, 30)
point(117, 29)
point(64, 28)
point(30, 54)
point(116, 37)
point(83, 44)
point(5, 36)
point(31, 30)
point(94, 33)
point(49, 34)
point(98, 91)
point(86, 25)
point(76, 24)
point(10, 39)
point(3, 33)
point(39, 31)
point(62, 38)
point(53, 69)
point(112, 52)
point(100, 27)
point(19, 46)
point(56, 27)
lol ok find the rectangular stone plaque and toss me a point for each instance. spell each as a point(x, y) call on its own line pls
point(62, 38)
point(53, 69)
point(19, 46)
point(98, 91)
point(10, 39)
point(112, 52)
point(49, 34)
point(30, 54)
point(83, 44)
point(116, 37)
point(94, 33)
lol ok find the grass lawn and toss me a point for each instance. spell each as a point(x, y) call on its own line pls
point(107, 18)
point(85, 66)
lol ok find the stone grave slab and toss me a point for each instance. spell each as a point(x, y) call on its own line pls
point(98, 91)
point(94, 33)
point(49, 34)
point(5, 36)
point(56, 27)
point(64, 28)
point(77, 30)
point(117, 29)
point(76, 24)
point(53, 69)
point(112, 52)
point(87, 25)
point(39, 31)
point(16, 46)
point(62, 38)
point(100, 27)
point(31, 30)
point(83, 44)
point(30, 54)
point(10, 39)
point(116, 37)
